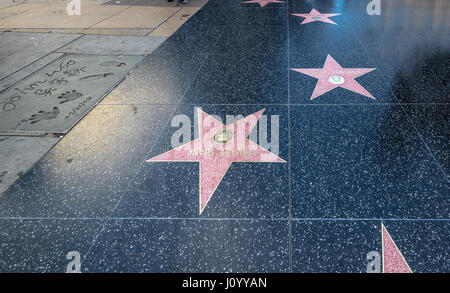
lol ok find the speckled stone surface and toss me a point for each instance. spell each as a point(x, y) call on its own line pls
point(34, 245)
point(258, 17)
point(356, 161)
point(354, 165)
point(344, 245)
point(190, 246)
point(238, 80)
point(250, 40)
point(157, 80)
point(433, 124)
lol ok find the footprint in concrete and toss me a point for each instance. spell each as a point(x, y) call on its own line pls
point(96, 76)
point(43, 115)
point(69, 96)
point(113, 63)
point(135, 109)
point(3, 173)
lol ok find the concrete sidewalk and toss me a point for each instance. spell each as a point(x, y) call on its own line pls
point(54, 68)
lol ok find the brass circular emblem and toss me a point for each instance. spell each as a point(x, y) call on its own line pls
point(336, 79)
point(223, 136)
point(316, 17)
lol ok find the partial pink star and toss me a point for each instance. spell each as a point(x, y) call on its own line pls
point(315, 15)
point(217, 146)
point(393, 260)
point(263, 3)
point(333, 75)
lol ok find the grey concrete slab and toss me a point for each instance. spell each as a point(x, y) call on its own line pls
point(18, 155)
point(42, 1)
point(8, 3)
point(17, 50)
point(5, 15)
point(126, 45)
point(24, 72)
point(54, 98)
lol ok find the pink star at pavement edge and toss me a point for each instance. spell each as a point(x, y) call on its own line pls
point(333, 75)
point(263, 3)
point(216, 147)
point(315, 15)
point(393, 260)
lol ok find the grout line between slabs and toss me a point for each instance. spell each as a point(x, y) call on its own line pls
point(106, 18)
point(269, 104)
point(221, 219)
point(289, 143)
point(169, 17)
point(410, 120)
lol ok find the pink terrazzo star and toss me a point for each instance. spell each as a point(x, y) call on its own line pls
point(315, 15)
point(333, 75)
point(216, 148)
point(263, 3)
point(393, 260)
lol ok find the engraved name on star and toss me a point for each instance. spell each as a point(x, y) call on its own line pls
point(216, 147)
point(315, 15)
point(263, 3)
point(333, 75)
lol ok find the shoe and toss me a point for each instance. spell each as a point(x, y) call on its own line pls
point(169, 0)
point(180, 2)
